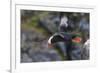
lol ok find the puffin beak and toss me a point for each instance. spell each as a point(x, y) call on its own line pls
point(76, 40)
point(50, 45)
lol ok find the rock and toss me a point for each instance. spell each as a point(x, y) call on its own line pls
point(25, 58)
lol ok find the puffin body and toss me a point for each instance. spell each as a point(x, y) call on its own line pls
point(72, 50)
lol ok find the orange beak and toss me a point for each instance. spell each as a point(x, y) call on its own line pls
point(76, 40)
point(50, 45)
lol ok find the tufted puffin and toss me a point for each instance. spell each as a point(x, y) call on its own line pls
point(73, 51)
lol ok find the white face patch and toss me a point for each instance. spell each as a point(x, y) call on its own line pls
point(49, 41)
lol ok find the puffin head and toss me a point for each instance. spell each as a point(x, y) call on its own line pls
point(60, 37)
point(55, 38)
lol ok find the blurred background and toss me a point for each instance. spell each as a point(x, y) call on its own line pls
point(38, 26)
